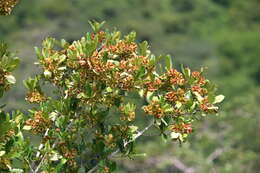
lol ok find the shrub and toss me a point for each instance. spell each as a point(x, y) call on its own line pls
point(89, 119)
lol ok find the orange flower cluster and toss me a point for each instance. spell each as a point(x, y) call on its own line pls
point(124, 68)
point(201, 91)
point(105, 170)
point(3, 82)
point(129, 116)
point(94, 64)
point(200, 79)
point(91, 120)
point(101, 36)
point(179, 91)
point(181, 128)
point(51, 66)
point(123, 49)
point(8, 135)
point(5, 162)
point(110, 141)
point(178, 95)
point(154, 108)
point(38, 124)
point(69, 154)
point(207, 107)
point(124, 81)
point(153, 85)
point(35, 97)
point(120, 131)
point(127, 71)
point(166, 81)
point(175, 77)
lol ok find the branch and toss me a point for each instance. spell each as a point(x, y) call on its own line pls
point(214, 155)
point(171, 160)
point(31, 169)
point(53, 146)
point(41, 145)
point(125, 144)
point(134, 138)
point(181, 166)
point(93, 169)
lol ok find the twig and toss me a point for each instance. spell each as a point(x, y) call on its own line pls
point(171, 160)
point(31, 169)
point(134, 138)
point(93, 169)
point(41, 145)
point(181, 166)
point(53, 146)
point(214, 155)
point(125, 144)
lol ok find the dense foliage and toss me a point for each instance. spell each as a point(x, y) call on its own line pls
point(218, 34)
point(90, 119)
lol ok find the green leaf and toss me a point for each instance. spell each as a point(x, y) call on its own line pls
point(5, 60)
point(81, 95)
point(60, 165)
point(88, 90)
point(62, 58)
point(1, 91)
point(219, 99)
point(55, 156)
point(155, 59)
point(133, 129)
point(96, 26)
point(164, 137)
point(168, 62)
point(2, 106)
point(10, 78)
point(3, 49)
point(47, 74)
point(64, 43)
point(178, 104)
point(99, 147)
point(2, 153)
point(27, 127)
point(143, 48)
point(130, 37)
point(112, 166)
point(186, 72)
point(141, 73)
point(38, 52)
point(13, 64)
point(214, 108)
point(174, 135)
point(109, 90)
point(198, 96)
point(14, 170)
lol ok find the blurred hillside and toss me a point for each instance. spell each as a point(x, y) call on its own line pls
point(223, 35)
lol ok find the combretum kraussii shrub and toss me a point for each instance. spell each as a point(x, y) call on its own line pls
point(89, 117)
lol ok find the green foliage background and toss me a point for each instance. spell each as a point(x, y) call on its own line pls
point(223, 35)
